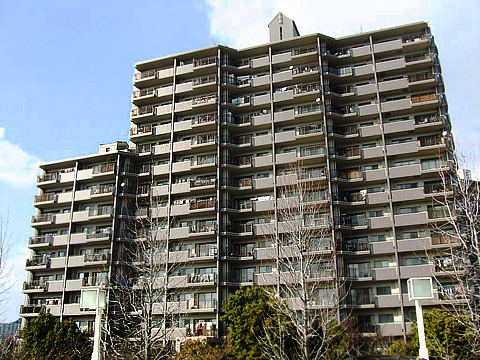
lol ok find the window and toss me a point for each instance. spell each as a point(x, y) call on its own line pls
point(263, 175)
point(411, 235)
point(416, 261)
point(404, 186)
point(384, 290)
point(379, 264)
point(401, 141)
point(369, 145)
point(385, 318)
point(265, 269)
point(410, 210)
point(374, 190)
point(376, 213)
point(377, 238)
point(370, 167)
point(404, 162)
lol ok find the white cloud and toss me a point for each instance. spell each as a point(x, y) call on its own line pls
point(17, 167)
point(244, 23)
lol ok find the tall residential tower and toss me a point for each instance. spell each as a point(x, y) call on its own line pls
point(215, 135)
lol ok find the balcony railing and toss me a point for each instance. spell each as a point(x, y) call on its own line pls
point(357, 245)
point(149, 109)
point(312, 150)
point(43, 218)
point(356, 299)
point(305, 109)
point(212, 98)
point(359, 272)
point(146, 129)
point(204, 80)
point(349, 151)
point(48, 177)
point(304, 50)
point(44, 197)
point(415, 38)
point(98, 234)
point(205, 61)
point(202, 182)
point(444, 239)
point(345, 110)
point(305, 88)
point(35, 285)
point(239, 228)
point(309, 129)
point(202, 278)
point(103, 168)
point(100, 211)
point(44, 239)
point(38, 260)
point(237, 205)
point(347, 175)
point(418, 57)
point(96, 257)
point(143, 92)
point(203, 119)
point(426, 119)
point(145, 74)
point(203, 204)
point(102, 189)
point(305, 69)
point(420, 76)
point(431, 141)
point(353, 220)
point(31, 309)
point(423, 97)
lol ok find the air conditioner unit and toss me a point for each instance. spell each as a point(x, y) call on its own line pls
point(213, 252)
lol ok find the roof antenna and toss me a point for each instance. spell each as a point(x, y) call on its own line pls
point(361, 30)
point(213, 42)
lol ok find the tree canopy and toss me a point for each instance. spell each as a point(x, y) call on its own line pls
point(46, 338)
point(447, 337)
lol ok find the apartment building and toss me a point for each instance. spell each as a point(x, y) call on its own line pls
point(215, 134)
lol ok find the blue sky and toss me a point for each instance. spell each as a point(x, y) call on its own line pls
point(67, 69)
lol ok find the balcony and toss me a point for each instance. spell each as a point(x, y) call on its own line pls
point(428, 141)
point(349, 152)
point(359, 299)
point(347, 175)
point(360, 272)
point(422, 98)
point(103, 169)
point(355, 246)
point(44, 198)
point(39, 241)
point(207, 61)
point(239, 229)
point(141, 130)
point(96, 258)
point(43, 219)
point(353, 221)
point(203, 204)
point(38, 261)
point(204, 100)
point(48, 178)
point(35, 286)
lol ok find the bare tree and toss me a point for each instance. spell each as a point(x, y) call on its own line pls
point(456, 202)
point(142, 320)
point(6, 244)
point(307, 293)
